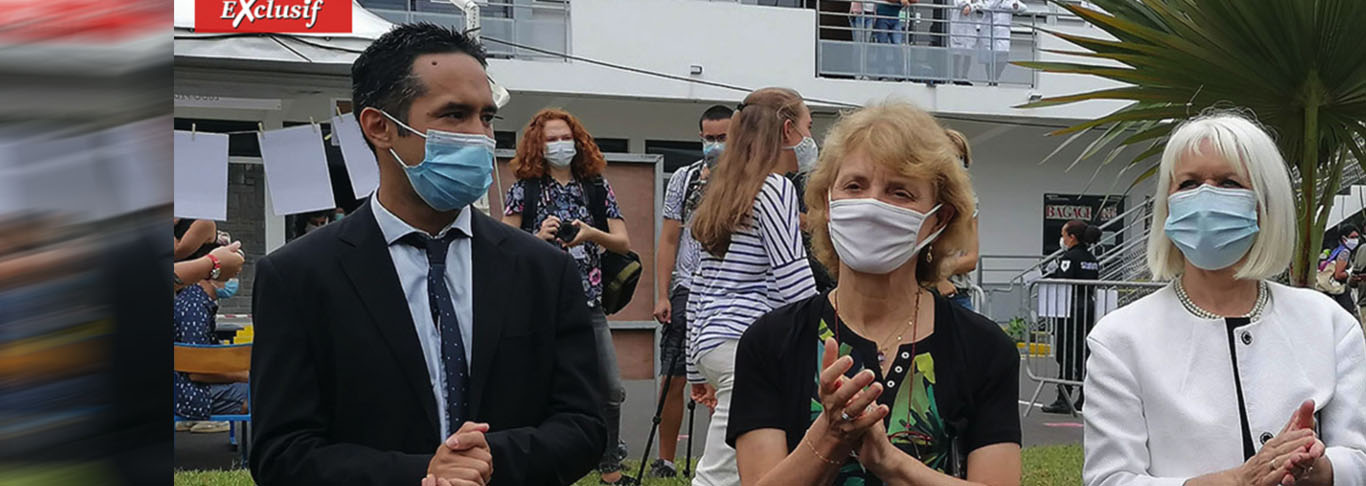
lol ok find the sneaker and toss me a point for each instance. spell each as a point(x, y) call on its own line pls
point(185, 425)
point(662, 469)
point(210, 428)
point(624, 481)
point(1059, 406)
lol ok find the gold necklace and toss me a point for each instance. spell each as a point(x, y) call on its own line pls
point(884, 344)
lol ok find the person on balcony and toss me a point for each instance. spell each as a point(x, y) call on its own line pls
point(1224, 377)
point(995, 39)
point(921, 390)
point(1077, 263)
point(966, 20)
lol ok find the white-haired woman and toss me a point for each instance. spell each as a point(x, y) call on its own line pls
point(1223, 377)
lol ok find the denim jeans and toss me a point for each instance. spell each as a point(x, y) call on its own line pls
point(887, 31)
point(227, 398)
point(615, 392)
point(860, 25)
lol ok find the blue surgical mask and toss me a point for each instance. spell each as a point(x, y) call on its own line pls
point(711, 152)
point(456, 171)
point(1213, 227)
point(807, 154)
point(229, 289)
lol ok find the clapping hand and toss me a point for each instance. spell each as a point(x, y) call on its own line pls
point(848, 402)
point(463, 459)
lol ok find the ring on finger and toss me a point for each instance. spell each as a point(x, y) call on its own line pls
point(845, 417)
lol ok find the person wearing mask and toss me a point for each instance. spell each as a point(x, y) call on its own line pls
point(419, 341)
point(1076, 263)
point(1340, 261)
point(1224, 377)
point(967, 20)
point(194, 307)
point(562, 198)
point(995, 36)
point(958, 286)
point(880, 381)
point(679, 251)
point(753, 260)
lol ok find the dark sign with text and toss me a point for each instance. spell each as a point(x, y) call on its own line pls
point(1058, 209)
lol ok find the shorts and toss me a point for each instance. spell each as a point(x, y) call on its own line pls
point(673, 339)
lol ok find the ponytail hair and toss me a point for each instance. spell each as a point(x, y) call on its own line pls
point(754, 145)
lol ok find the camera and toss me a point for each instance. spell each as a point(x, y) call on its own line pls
point(567, 232)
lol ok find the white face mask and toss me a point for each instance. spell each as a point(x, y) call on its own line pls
point(560, 153)
point(807, 154)
point(871, 236)
point(1062, 242)
point(1351, 243)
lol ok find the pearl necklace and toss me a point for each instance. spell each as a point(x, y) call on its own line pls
point(1263, 297)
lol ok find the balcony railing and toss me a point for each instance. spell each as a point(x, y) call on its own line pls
point(535, 23)
point(928, 43)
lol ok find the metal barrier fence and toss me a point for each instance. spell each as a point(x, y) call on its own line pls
point(543, 25)
point(926, 42)
point(1061, 312)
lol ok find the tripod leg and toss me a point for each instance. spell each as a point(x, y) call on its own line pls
point(687, 464)
point(659, 410)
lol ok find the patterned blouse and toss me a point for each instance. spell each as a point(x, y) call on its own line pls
point(568, 202)
point(194, 313)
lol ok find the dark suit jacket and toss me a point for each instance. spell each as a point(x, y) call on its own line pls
point(339, 388)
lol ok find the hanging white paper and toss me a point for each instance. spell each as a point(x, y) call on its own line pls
point(201, 175)
point(361, 167)
point(296, 170)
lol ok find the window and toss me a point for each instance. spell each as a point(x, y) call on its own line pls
point(676, 153)
point(506, 140)
point(613, 145)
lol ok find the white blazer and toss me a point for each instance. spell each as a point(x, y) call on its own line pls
point(1161, 404)
point(964, 30)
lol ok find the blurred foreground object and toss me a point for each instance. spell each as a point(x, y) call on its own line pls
point(85, 186)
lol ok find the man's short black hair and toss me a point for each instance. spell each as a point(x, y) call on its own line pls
point(716, 112)
point(1347, 230)
point(382, 76)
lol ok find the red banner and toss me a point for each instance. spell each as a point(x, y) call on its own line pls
point(273, 16)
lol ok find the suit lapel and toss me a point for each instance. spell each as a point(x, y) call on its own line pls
point(371, 271)
point(493, 272)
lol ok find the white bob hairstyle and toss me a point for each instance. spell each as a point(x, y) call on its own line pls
point(1255, 157)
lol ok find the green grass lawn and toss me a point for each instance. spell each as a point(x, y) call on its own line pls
point(1043, 466)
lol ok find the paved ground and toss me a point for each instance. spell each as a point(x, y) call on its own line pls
point(211, 451)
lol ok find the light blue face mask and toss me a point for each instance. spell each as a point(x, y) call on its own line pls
point(711, 152)
point(1213, 227)
point(229, 289)
point(456, 171)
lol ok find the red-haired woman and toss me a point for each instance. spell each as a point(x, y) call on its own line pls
point(559, 174)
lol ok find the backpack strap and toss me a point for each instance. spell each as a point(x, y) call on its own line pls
point(694, 173)
point(596, 190)
point(531, 199)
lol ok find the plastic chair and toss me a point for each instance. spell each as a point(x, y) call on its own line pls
point(220, 359)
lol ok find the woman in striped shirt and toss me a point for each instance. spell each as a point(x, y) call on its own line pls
point(754, 260)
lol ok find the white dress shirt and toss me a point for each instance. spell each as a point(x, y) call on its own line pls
point(411, 265)
point(1161, 401)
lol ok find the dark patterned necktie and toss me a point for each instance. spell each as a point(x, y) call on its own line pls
point(443, 314)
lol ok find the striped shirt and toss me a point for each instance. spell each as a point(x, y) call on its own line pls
point(765, 267)
point(677, 208)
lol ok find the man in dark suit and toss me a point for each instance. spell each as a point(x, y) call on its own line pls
point(417, 338)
